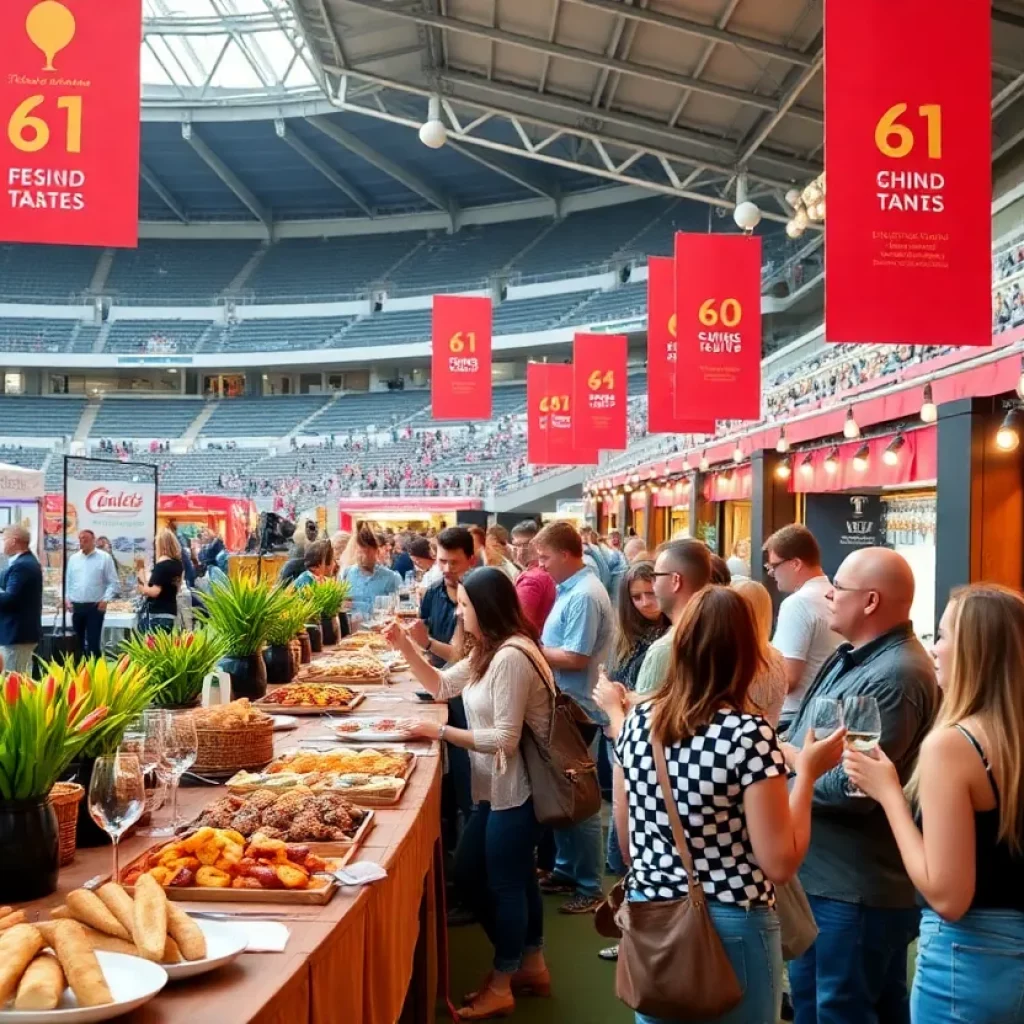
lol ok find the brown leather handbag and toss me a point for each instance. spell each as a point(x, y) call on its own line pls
point(671, 960)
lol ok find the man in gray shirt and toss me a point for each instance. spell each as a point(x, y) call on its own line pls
point(863, 901)
point(90, 584)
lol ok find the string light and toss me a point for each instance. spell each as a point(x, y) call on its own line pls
point(851, 430)
point(784, 469)
point(686, 463)
point(861, 457)
point(782, 445)
point(929, 414)
point(807, 466)
point(1020, 379)
point(704, 462)
point(831, 462)
point(1008, 435)
point(737, 455)
point(891, 455)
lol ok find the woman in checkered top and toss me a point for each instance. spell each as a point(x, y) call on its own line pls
point(744, 828)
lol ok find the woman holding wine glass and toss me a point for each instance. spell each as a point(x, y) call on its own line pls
point(964, 850)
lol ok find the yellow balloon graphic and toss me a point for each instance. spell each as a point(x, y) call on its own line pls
point(51, 26)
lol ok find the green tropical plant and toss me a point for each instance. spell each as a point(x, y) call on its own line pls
point(326, 596)
point(241, 613)
point(291, 619)
point(176, 662)
point(43, 727)
point(121, 687)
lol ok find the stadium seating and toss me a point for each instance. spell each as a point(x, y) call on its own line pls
point(27, 458)
point(188, 273)
point(281, 335)
point(24, 334)
point(200, 471)
point(261, 417)
point(45, 273)
point(84, 338)
point(162, 418)
point(388, 328)
point(357, 412)
point(156, 336)
point(40, 417)
point(626, 303)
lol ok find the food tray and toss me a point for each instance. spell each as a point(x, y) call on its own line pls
point(409, 756)
point(305, 709)
point(367, 735)
point(340, 680)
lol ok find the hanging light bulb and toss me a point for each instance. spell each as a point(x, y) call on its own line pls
point(831, 462)
point(686, 463)
point(782, 445)
point(737, 454)
point(807, 466)
point(1020, 379)
point(929, 414)
point(891, 455)
point(704, 462)
point(1008, 435)
point(784, 469)
point(851, 430)
point(861, 458)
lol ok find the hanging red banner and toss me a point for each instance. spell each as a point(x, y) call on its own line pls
point(600, 390)
point(69, 121)
point(908, 173)
point(718, 326)
point(549, 404)
point(460, 374)
point(661, 354)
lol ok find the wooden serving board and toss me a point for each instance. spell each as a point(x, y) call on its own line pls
point(305, 709)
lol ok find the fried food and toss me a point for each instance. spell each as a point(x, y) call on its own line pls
point(363, 762)
point(356, 667)
point(97, 940)
point(118, 902)
point(239, 714)
point(150, 918)
point(80, 965)
point(18, 947)
point(87, 908)
point(186, 933)
point(18, 917)
point(311, 695)
point(41, 985)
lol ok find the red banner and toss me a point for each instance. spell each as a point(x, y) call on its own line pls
point(549, 433)
point(909, 173)
point(69, 110)
point(661, 353)
point(460, 376)
point(600, 390)
point(718, 326)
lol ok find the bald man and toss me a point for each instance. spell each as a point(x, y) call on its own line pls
point(862, 899)
point(635, 550)
point(21, 602)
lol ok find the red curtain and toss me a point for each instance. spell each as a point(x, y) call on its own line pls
point(729, 484)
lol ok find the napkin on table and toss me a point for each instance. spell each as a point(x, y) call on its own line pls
point(360, 873)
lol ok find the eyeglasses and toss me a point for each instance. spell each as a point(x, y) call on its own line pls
point(770, 567)
point(836, 585)
point(656, 574)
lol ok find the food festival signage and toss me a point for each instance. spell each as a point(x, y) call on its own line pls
point(718, 326)
point(460, 376)
point(661, 354)
point(600, 390)
point(549, 412)
point(124, 512)
point(908, 177)
point(69, 121)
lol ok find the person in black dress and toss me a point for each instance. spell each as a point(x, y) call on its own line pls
point(161, 588)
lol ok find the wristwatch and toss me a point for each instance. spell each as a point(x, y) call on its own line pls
point(441, 731)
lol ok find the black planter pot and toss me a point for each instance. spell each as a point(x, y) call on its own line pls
point(331, 629)
point(305, 648)
point(346, 628)
point(29, 850)
point(87, 833)
point(316, 637)
point(278, 662)
point(248, 675)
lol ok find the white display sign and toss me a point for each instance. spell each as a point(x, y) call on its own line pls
point(121, 511)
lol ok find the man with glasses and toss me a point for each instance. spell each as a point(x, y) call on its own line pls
point(535, 587)
point(803, 635)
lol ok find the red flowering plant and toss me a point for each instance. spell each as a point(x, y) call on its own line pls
point(43, 727)
point(175, 662)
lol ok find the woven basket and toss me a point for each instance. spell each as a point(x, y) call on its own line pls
point(232, 750)
point(64, 798)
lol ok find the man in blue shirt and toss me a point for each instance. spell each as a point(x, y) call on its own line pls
point(575, 642)
point(367, 578)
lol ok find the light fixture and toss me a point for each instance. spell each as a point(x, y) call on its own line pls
point(861, 457)
point(929, 414)
point(891, 455)
point(704, 462)
point(747, 215)
point(784, 469)
point(627, 489)
point(1008, 435)
point(793, 197)
point(636, 478)
point(433, 133)
point(831, 462)
point(851, 431)
point(1020, 379)
point(686, 463)
point(680, 486)
point(737, 454)
point(807, 466)
point(782, 445)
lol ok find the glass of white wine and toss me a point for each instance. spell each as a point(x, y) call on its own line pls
point(863, 728)
point(826, 717)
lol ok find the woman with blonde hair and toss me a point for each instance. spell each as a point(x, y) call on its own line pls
point(965, 851)
point(161, 588)
point(768, 690)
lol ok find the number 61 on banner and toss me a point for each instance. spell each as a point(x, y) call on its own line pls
point(460, 376)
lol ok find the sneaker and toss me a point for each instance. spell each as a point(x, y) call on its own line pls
point(581, 904)
point(609, 953)
point(459, 917)
point(553, 884)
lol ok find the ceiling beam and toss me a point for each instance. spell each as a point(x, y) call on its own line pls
point(696, 28)
point(413, 182)
point(1007, 17)
point(315, 160)
point(598, 60)
point(786, 101)
point(506, 170)
point(167, 197)
point(228, 176)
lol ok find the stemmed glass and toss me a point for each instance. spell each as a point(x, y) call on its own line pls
point(144, 738)
point(181, 745)
point(826, 717)
point(117, 796)
point(863, 728)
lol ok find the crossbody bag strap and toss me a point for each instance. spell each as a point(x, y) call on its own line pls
point(524, 649)
point(696, 890)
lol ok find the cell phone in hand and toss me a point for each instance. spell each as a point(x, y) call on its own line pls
point(424, 696)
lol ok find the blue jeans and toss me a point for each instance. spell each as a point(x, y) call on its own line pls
point(495, 876)
point(753, 943)
point(970, 971)
point(579, 849)
point(856, 971)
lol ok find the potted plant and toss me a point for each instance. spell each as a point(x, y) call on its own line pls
point(241, 612)
point(289, 623)
point(176, 663)
point(327, 596)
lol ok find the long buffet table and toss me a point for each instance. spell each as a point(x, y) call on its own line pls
point(372, 955)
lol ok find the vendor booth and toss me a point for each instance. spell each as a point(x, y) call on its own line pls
point(21, 494)
point(418, 514)
point(231, 518)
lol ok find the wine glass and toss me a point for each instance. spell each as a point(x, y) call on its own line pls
point(863, 728)
point(117, 796)
point(145, 738)
point(826, 717)
point(181, 745)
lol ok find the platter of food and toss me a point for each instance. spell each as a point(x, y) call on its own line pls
point(364, 729)
point(396, 763)
point(363, 642)
point(310, 699)
point(221, 865)
point(350, 669)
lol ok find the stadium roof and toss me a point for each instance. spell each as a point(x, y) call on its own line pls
point(540, 97)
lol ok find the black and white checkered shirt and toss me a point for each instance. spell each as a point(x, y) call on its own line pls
point(709, 773)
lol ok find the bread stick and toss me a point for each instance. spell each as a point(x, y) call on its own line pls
point(172, 954)
point(4, 911)
point(41, 985)
point(88, 908)
point(188, 935)
point(150, 918)
point(119, 903)
point(81, 968)
point(18, 947)
point(18, 917)
point(61, 912)
point(97, 940)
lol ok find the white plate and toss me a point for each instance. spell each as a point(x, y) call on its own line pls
point(132, 980)
point(367, 735)
point(282, 723)
point(224, 943)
